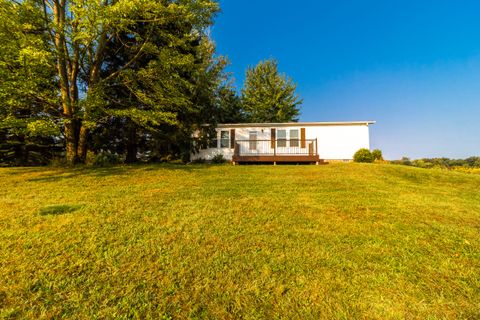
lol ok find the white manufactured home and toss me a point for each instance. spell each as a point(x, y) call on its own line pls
point(287, 142)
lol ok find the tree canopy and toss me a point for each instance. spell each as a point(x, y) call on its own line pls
point(268, 95)
point(28, 101)
point(132, 79)
point(70, 67)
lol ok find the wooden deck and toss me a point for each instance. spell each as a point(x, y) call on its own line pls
point(276, 151)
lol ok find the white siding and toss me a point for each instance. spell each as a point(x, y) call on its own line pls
point(240, 134)
point(339, 142)
point(335, 142)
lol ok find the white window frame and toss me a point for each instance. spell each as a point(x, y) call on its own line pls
point(281, 141)
point(295, 141)
point(224, 142)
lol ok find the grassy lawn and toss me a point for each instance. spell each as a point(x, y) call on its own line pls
point(340, 241)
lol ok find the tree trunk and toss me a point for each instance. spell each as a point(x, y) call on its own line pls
point(64, 83)
point(82, 144)
point(71, 143)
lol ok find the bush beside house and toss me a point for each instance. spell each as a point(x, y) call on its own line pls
point(363, 155)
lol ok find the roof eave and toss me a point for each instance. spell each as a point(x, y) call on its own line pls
point(297, 124)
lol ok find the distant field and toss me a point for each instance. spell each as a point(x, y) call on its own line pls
point(343, 241)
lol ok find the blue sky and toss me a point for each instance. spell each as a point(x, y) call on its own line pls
point(413, 66)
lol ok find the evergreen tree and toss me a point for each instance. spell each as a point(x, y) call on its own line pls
point(230, 109)
point(269, 96)
point(161, 101)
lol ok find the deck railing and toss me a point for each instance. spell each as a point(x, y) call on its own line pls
point(278, 147)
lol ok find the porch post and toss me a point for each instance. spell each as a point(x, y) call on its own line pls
point(275, 152)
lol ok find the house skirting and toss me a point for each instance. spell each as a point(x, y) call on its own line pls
point(277, 158)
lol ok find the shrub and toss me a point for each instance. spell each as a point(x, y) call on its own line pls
point(105, 159)
point(377, 155)
point(473, 162)
point(363, 155)
point(218, 158)
point(405, 161)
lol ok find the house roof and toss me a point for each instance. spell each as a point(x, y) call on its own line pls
point(296, 124)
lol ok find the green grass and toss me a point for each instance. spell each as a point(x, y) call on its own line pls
point(343, 241)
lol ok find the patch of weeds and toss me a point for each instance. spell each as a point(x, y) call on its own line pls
point(59, 209)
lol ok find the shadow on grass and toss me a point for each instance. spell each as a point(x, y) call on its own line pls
point(68, 173)
point(11, 171)
point(59, 209)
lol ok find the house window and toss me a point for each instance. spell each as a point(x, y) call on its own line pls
point(224, 139)
point(252, 140)
point(281, 138)
point(294, 138)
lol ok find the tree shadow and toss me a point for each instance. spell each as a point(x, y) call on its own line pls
point(58, 174)
point(176, 167)
point(59, 209)
point(11, 171)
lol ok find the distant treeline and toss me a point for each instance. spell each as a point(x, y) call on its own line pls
point(447, 163)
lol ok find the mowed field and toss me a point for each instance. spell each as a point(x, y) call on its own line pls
point(341, 241)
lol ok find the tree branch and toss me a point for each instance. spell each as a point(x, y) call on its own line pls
point(129, 63)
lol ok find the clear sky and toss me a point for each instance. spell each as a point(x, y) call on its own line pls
point(413, 66)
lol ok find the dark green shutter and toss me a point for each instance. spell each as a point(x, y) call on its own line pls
point(272, 138)
point(232, 138)
point(302, 137)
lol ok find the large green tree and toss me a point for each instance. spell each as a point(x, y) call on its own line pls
point(268, 95)
point(123, 76)
point(80, 33)
point(163, 97)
